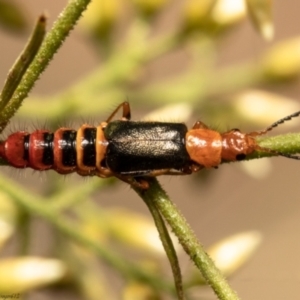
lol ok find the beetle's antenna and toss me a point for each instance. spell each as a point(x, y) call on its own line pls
point(272, 126)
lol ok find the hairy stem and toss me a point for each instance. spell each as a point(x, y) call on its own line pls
point(188, 240)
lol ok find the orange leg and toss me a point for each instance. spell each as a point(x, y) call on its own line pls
point(169, 172)
point(141, 182)
point(126, 112)
point(137, 182)
point(199, 125)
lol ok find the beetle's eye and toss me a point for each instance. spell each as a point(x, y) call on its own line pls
point(240, 156)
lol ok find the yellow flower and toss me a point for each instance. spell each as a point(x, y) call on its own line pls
point(149, 8)
point(261, 14)
point(213, 16)
point(19, 275)
point(100, 17)
point(282, 62)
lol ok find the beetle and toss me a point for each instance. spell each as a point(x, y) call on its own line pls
point(132, 150)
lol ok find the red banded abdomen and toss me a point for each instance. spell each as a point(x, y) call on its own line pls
point(65, 150)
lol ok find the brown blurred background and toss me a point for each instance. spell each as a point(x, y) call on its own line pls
point(231, 201)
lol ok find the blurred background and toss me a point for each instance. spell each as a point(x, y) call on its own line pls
point(221, 73)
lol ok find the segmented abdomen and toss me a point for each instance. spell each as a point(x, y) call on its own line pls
point(65, 150)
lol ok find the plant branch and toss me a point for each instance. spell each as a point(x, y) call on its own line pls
point(188, 240)
point(286, 143)
point(23, 61)
point(18, 70)
point(52, 42)
point(168, 246)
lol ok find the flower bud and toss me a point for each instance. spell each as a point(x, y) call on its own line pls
point(257, 168)
point(261, 14)
point(212, 16)
point(228, 12)
point(234, 251)
point(18, 275)
point(282, 62)
point(264, 108)
point(139, 291)
point(100, 17)
point(230, 253)
point(150, 8)
point(6, 231)
point(136, 230)
point(8, 218)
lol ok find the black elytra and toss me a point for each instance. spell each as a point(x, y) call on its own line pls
point(138, 148)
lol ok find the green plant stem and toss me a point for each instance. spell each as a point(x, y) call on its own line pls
point(38, 206)
point(188, 240)
point(285, 143)
point(168, 246)
point(22, 63)
point(52, 42)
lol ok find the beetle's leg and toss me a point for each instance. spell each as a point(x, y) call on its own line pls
point(186, 170)
point(192, 168)
point(199, 125)
point(139, 182)
point(126, 112)
point(165, 172)
point(189, 169)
